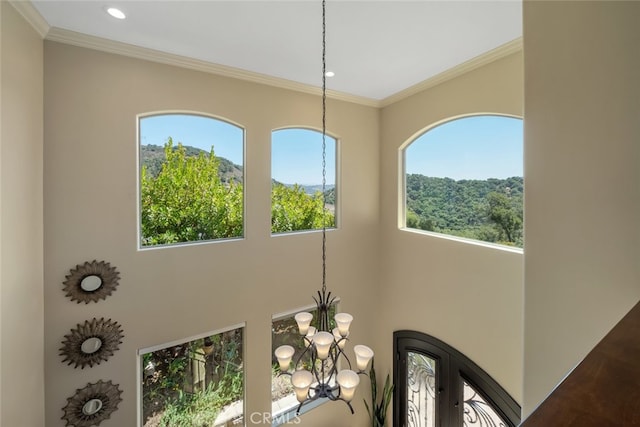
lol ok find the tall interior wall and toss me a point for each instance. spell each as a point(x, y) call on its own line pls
point(582, 175)
point(91, 102)
point(21, 223)
point(468, 295)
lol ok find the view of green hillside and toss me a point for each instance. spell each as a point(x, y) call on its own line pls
point(152, 157)
point(489, 210)
point(188, 195)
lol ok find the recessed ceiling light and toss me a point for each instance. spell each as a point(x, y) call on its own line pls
point(329, 74)
point(116, 13)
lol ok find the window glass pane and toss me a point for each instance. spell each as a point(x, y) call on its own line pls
point(421, 390)
point(465, 178)
point(477, 412)
point(296, 177)
point(191, 179)
point(199, 382)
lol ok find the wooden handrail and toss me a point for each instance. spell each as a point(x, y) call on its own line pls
point(604, 389)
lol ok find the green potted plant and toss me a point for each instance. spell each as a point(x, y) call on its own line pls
point(378, 410)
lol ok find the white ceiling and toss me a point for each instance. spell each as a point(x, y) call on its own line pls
point(376, 48)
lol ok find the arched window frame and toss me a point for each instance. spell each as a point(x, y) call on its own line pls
point(200, 114)
point(402, 182)
point(337, 206)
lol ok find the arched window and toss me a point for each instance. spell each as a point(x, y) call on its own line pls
point(190, 180)
point(296, 179)
point(465, 178)
point(436, 385)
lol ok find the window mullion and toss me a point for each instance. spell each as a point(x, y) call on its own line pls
point(456, 398)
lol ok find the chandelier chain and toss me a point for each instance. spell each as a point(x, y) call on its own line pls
point(324, 147)
point(320, 376)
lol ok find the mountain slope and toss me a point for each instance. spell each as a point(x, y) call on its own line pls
point(152, 156)
point(461, 208)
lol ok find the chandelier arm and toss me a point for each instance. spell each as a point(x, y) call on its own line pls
point(308, 342)
point(318, 373)
point(349, 405)
point(300, 407)
point(325, 377)
point(307, 401)
point(298, 361)
point(311, 399)
point(335, 354)
point(314, 368)
point(315, 392)
point(323, 305)
point(340, 352)
point(333, 370)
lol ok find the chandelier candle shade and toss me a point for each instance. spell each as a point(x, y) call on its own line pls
point(363, 356)
point(304, 320)
point(284, 353)
point(315, 372)
point(348, 381)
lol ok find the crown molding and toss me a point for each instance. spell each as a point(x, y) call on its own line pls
point(32, 16)
point(470, 65)
point(119, 48)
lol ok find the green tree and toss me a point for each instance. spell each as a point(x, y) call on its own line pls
point(293, 210)
point(418, 222)
point(461, 208)
point(189, 384)
point(505, 216)
point(189, 195)
point(330, 196)
point(187, 201)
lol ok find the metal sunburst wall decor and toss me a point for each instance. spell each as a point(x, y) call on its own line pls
point(91, 281)
point(92, 404)
point(91, 343)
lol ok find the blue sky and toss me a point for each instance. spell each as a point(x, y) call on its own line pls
point(296, 157)
point(196, 131)
point(296, 153)
point(477, 147)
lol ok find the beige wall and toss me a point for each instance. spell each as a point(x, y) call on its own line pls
point(467, 295)
point(582, 102)
point(91, 100)
point(91, 103)
point(21, 285)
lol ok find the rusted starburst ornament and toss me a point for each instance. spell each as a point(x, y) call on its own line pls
point(92, 404)
point(91, 281)
point(91, 343)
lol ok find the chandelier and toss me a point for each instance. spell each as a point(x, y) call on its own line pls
point(315, 373)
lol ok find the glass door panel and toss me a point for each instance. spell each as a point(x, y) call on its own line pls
point(421, 390)
point(477, 412)
point(437, 386)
